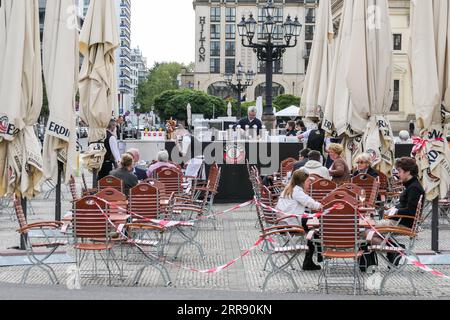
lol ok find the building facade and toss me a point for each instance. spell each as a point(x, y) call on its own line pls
point(219, 49)
point(139, 70)
point(402, 110)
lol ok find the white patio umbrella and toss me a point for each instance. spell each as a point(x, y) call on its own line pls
point(98, 41)
point(430, 65)
point(60, 60)
point(229, 110)
point(189, 114)
point(259, 107)
point(21, 97)
point(290, 112)
point(369, 80)
point(319, 69)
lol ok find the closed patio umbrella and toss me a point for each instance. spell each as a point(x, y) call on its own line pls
point(430, 66)
point(21, 97)
point(60, 60)
point(369, 80)
point(189, 115)
point(319, 69)
point(98, 41)
point(229, 110)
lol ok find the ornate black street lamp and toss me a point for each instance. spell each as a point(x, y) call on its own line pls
point(267, 50)
point(244, 80)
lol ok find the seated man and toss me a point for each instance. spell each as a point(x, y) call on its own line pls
point(139, 172)
point(303, 159)
point(163, 161)
point(314, 165)
point(125, 173)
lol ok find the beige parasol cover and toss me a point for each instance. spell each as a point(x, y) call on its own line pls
point(60, 59)
point(21, 97)
point(98, 41)
point(317, 77)
point(369, 80)
point(430, 65)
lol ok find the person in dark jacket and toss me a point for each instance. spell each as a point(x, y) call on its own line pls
point(408, 172)
point(140, 173)
point(363, 166)
point(290, 129)
point(125, 173)
point(302, 160)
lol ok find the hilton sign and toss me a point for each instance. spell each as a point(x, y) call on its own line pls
point(202, 50)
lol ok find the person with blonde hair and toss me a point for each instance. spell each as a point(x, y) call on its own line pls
point(339, 171)
point(125, 173)
point(294, 201)
point(363, 166)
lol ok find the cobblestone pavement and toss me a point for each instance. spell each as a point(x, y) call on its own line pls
point(236, 232)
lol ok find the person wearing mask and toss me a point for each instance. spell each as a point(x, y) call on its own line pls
point(290, 129)
point(303, 159)
point(250, 121)
point(163, 162)
point(125, 173)
point(363, 166)
point(140, 173)
point(294, 201)
point(314, 166)
point(339, 171)
point(112, 156)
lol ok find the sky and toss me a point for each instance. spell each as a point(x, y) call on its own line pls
point(164, 30)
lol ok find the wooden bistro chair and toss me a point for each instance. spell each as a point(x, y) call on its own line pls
point(370, 186)
point(39, 235)
point(321, 188)
point(392, 246)
point(93, 234)
point(110, 182)
point(340, 240)
point(118, 203)
point(283, 245)
point(172, 180)
point(85, 191)
point(341, 195)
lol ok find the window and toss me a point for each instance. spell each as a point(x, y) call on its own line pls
point(230, 31)
point(215, 31)
point(215, 49)
point(214, 65)
point(310, 15)
point(309, 33)
point(396, 102)
point(230, 14)
point(230, 65)
point(230, 49)
point(215, 14)
point(277, 15)
point(398, 41)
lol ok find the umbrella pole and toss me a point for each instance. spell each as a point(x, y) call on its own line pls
point(58, 194)
point(94, 179)
point(435, 226)
point(23, 237)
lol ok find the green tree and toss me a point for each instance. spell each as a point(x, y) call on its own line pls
point(162, 77)
point(173, 103)
point(285, 101)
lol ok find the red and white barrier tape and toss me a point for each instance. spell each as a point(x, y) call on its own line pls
point(414, 262)
point(207, 271)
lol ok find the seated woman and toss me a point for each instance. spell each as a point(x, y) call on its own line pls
point(163, 161)
point(290, 129)
point(125, 173)
point(363, 164)
point(339, 171)
point(294, 201)
point(408, 172)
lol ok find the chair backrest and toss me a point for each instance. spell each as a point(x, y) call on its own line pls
point(172, 179)
point(351, 187)
point(89, 221)
point(269, 199)
point(19, 212)
point(321, 188)
point(287, 166)
point(118, 200)
point(145, 200)
point(110, 182)
point(383, 182)
point(73, 189)
point(339, 228)
point(342, 195)
point(83, 178)
point(370, 185)
point(418, 217)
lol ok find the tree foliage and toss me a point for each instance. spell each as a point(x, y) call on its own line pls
point(285, 101)
point(162, 77)
point(173, 103)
